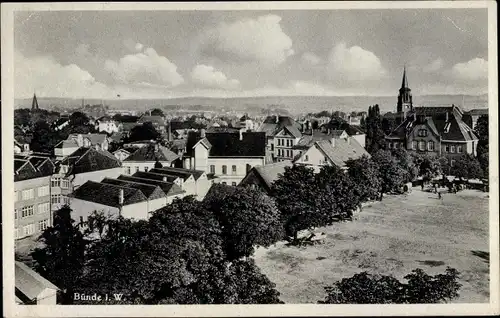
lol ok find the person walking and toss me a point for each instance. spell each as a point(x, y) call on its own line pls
point(439, 196)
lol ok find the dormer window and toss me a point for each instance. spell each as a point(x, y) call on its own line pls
point(422, 132)
point(447, 127)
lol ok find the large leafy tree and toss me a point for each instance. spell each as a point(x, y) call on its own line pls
point(295, 192)
point(467, 167)
point(44, 138)
point(364, 174)
point(408, 162)
point(336, 195)
point(61, 258)
point(375, 137)
point(247, 217)
point(157, 112)
point(482, 131)
point(392, 175)
point(145, 131)
point(364, 288)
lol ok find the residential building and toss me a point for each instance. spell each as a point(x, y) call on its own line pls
point(148, 157)
point(229, 156)
point(262, 177)
point(88, 164)
point(158, 122)
point(171, 189)
point(336, 151)
point(351, 130)
point(122, 153)
point(31, 288)
point(32, 207)
point(107, 124)
point(65, 148)
point(431, 130)
point(20, 148)
point(75, 141)
point(273, 125)
point(194, 182)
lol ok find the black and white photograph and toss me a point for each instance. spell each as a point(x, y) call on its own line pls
point(326, 154)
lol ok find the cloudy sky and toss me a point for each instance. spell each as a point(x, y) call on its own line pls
point(156, 54)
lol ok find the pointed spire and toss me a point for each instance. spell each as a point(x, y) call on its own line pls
point(404, 84)
point(34, 103)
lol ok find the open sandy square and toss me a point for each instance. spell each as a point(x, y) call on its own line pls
point(391, 237)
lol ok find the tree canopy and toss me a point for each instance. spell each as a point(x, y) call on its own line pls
point(365, 176)
point(157, 112)
point(392, 175)
point(375, 137)
point(467, 167)
point(145, 131)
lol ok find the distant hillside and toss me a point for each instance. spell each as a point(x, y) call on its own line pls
point(293, 104)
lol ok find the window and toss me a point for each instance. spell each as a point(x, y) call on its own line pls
point(396, 145)
point(43, 191)
point(288, 142)
point(459, 149)
point(65, 199)
point(414, 145)
point(146, 169)
point(452, 149)
point(233, 184)
point(212, 169)
point(55, 182)
point(44, 207)
point(42, 225)
point(422, 132)
point(446, 148)
point(389, 145)
point(306, 158)
point(452, 162)
point(55, 199)
point(234, 169)
point(279, 152)
point(65, 183)
point(15, 214)
point(430, 146)
point(27, 211)
point(16, 196)
point(28, 194)
point(224, 169)
point(28, 229)
point(136, 169)
point(421, 145)
point(279, 142)
point(127, 169)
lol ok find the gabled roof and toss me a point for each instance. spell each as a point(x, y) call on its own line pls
point(150, 191)
point(153, 152)
point(169, 188)
point(32, 166)
point(271, 127)
point(155, 176)
point(29, 283)
point(215, 129)
point(179, 172)
point(153, 119)
point(291, 130)
point(253, 144)
point(89, 159)
point(108, 194)
point(271, 172)
point(342, 150)
point(66, 144)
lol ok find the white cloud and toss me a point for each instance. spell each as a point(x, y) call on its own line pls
point(49, 78)
point(354, 64)
point(434, 66)
point(260, 39)
point(148, 67)
point(475, 69)
point(207, 76)
point(311, 58)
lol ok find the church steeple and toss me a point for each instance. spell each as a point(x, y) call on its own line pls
point(34, 103)
point(405, 100)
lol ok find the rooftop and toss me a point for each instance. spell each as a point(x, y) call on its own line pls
point(29, 283)
point(108, 194)
point(153, 152)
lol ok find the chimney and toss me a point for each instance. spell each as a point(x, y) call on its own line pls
point(348, 140)
point(169, 132)
point(241, 134)
point(332, 141)
point(277, 119)
point(447, 117)
point(308, 124)
point(328, 131)
point(164, 179)
point(350, 120)
point(202, 133)
point(121, 197)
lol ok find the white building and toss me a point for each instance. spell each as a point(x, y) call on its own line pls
point(107, 124)
point(31, 288)
point(148, 157)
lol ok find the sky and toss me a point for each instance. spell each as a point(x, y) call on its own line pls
point(167, 54)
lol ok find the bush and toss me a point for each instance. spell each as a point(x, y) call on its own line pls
point(364, 288)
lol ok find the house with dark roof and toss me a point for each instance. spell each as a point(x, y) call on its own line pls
point(435, 131)
point(470, 117)
point(262, 177)
point(277, 137)
point(193, 182)
point(335, 151)
point(171, 189)
point(147, 157)
point(351, 130)
point(227, 155)
point(32, 201)
point(31, 288)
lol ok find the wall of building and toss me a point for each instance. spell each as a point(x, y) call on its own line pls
point(361, 139)
point(108, 126)
point(202, 186)
point(63, 152)
point(313, 157)
point(200, 158)
point(47, 297)
point(141, 166)
point(36, 202)
point(82, 209)
point(283, 144)
point(231, 178)
point(96, 176)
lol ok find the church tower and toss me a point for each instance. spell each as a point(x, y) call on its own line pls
point(405, 102)
point(34, 103)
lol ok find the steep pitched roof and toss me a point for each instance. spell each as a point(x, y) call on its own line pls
point(108, 194)
point(342, 150)
point(66, 144)
point(271, 126)
point(179, 172)
point(153, 152)
point(150, 191)
point(270, 173)
point(155, 176)
point(29, 283)
point(169, 188)
point(32, 166)
point(89, 159)
point(293, 131)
